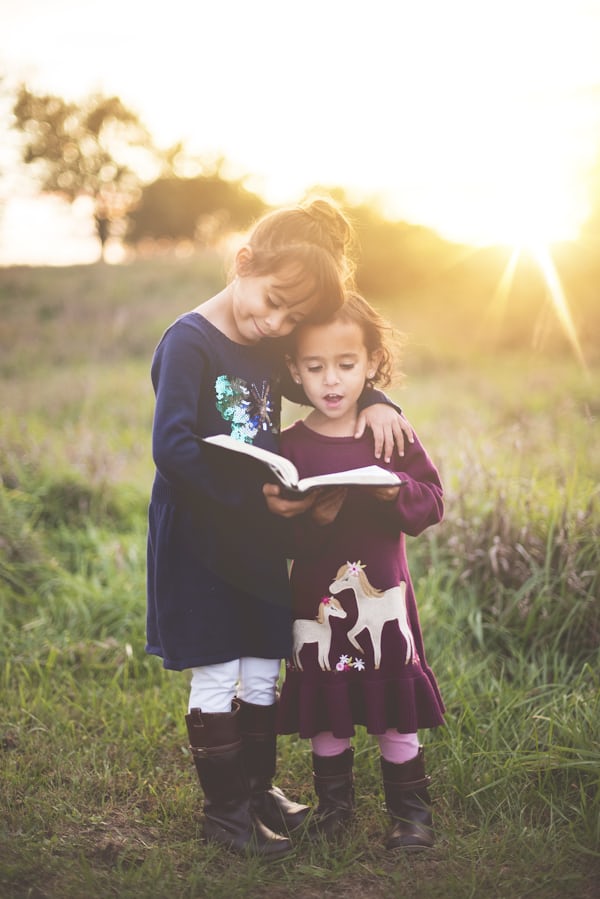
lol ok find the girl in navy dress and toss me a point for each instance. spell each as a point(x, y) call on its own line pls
point(217, 586)
point(358, 655)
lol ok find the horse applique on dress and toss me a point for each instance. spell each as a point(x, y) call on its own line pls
point(317, 630)
point(375, 607)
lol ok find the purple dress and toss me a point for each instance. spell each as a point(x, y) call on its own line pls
point(358, 655)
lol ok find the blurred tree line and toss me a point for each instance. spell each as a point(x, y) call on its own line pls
point(100, 149)
point(141, 195)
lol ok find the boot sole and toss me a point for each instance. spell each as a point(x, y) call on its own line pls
point(252, 849)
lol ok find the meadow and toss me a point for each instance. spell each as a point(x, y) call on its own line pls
point(98, 795)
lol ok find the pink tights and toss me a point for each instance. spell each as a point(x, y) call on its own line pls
point(395, 747)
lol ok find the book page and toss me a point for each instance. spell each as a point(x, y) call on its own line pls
point(370, 475)
point(284, 470)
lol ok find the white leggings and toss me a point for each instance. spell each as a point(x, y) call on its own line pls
point(213, 687)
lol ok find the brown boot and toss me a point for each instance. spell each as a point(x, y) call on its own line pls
point(334, 786)
point(259, 742)
point(408, 804)
point(228, 816)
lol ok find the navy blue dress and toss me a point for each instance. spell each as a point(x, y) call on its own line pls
point(217, 582)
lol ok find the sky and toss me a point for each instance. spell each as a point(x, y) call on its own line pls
point(477, 118)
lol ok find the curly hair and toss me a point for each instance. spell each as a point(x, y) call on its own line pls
point(379, 335)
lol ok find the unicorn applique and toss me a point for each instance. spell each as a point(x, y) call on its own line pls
point(375, 607)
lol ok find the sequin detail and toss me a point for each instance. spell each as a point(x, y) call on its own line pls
point(249, 408)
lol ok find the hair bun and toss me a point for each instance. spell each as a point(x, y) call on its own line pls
point(332, 223)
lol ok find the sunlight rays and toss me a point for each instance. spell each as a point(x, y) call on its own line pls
point(499, 301)
point(542, 257)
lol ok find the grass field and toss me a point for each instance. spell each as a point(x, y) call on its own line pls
point(98, 796)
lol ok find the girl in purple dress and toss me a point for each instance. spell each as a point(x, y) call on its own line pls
point(358, 655)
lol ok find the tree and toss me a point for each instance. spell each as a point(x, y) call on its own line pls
point(87, 149)
point(200, 209)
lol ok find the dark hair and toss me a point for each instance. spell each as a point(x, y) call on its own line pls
point(379, 335)
point(312, 240)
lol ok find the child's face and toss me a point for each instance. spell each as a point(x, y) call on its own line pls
point(332, 364)
point(266, 306)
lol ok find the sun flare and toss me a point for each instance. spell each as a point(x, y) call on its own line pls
point(541, 255)
point(558, 298)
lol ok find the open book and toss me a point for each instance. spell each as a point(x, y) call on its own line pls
point(287, 473)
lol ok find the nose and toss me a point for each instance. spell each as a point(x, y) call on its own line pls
point(331, 376)
point(275, 319)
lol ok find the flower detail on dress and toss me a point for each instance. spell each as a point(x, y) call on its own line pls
point(347, 663)
point(248, 407)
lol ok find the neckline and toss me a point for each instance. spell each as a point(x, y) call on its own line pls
point(325, 438)
point(212, 327)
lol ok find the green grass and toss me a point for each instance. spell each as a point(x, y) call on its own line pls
point(97, 789)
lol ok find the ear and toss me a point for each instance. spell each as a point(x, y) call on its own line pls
point(243, 261)
point(293, 369)
point(374, 363)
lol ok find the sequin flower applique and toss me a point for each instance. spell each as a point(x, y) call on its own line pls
point(261, 407)
point(248, 408)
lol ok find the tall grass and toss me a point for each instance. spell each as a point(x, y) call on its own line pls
point(97, 789)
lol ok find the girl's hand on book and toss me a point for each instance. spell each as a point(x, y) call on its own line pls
point(287, 508)
point(389, 429)
point(384, 494)
point(328, 503)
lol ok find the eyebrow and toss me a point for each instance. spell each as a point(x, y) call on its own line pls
point(318, 358)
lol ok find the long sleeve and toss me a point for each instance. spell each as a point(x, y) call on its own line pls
point(420, 501)
point(178, 371)
point(183, 375)
point(371, 397)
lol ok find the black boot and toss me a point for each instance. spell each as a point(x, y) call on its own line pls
point(228, 817)
point(334, 786)
point(259, 742)
point(408, 804)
